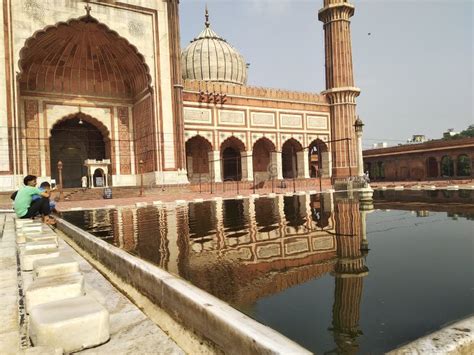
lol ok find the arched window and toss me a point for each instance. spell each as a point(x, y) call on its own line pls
point(447, 166)
point(463, 166)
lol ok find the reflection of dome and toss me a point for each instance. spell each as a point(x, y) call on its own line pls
point(211, 58)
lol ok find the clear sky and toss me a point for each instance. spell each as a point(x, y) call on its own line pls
point(415, 69)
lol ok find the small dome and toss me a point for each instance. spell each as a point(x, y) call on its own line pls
point(210, 58)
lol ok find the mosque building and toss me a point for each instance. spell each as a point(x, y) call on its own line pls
point(104, 89)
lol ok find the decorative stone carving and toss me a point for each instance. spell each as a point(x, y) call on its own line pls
point(34, 9)
point(124, 140)
point(292, 121)
point(317, 122)
point(199, 115)
point(32, 137)
point(232, 117)
point(135, 29)
point(266, 119)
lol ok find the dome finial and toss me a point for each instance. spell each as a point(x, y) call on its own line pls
point(207, 18)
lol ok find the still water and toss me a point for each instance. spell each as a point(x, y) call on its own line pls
point(332, 273)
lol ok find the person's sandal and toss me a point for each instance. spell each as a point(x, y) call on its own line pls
point(50, 220)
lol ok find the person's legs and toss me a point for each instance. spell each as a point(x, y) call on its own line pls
point(39, 206)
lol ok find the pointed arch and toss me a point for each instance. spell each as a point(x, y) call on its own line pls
point(82, 56)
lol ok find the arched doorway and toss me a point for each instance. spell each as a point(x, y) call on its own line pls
point(84, 62)
point(318, 158)
point(262, 157)
point(447, 166)
point(432, 167)
point(463, 166)
point(231, 150)
point(289, 158)
point(197, 158)
point(73, 140)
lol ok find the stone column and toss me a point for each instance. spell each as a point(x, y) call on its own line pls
point(455, 168)
point(340, 88)
point(302, 158)
point(276, 169)
point(189, 166)
point(360, 158)
point(215, 165)
point(247, 165)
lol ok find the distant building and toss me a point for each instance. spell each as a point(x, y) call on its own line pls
point(380, 145)
point(418, 138)
point(449, 133)
point(435, 159)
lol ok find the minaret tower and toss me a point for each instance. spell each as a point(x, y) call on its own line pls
point(340, 88)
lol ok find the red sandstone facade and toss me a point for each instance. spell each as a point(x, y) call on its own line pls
point(438, 159)
point(76, 71)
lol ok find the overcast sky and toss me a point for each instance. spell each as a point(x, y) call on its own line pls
point(415, 69)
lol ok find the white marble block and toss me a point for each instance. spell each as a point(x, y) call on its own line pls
point(54, 288)
point(72, 324)
point(29, 256)
point(55, 266)
point(42, 237)
point(40, 245)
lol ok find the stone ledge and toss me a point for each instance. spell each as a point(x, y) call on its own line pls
point(53, 288)
point(55, 266)
point(457, 338)
point(72, 324)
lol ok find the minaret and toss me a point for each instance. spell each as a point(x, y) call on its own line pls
point(340, 88)
point(349, 276)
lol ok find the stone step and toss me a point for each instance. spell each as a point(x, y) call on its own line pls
point(29, 256)
point(55, 266)
point(42, 237)
point(72, 324)
point(40, 245)
point(22, 222)
point(54, 288)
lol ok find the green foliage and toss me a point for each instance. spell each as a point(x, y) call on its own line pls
point(468, 132)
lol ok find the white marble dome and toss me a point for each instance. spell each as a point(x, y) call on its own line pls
point(210, 58)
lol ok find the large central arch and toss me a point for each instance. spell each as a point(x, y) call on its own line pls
point(85, 62)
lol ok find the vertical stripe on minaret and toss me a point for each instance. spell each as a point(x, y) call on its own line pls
point(340, 88)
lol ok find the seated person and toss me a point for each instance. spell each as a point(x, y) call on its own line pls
point(46, 186)
point(24, 205)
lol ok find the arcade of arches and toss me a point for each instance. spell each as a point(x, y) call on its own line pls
point(264, 162)
point(431, 160)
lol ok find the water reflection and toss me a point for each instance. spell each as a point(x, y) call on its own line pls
point(243, 250)
point(249, 250)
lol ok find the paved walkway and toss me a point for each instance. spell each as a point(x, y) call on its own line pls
point(132, 332)
point(167, 197)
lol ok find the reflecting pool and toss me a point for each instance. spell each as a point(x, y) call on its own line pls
point(332, 273)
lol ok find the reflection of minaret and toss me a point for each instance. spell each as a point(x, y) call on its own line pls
point(349, 274)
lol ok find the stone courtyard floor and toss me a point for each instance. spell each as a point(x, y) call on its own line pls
point(132, 332)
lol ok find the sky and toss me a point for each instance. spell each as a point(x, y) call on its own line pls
point(415, 69)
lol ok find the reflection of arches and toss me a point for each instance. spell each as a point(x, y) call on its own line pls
point(463, 165)
point(72, 141)
point(197, 156)
point(447, 166)
point(262, 150)
point(231, 150)
point(289, 158)
point(432, 167)
point(318, 158)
